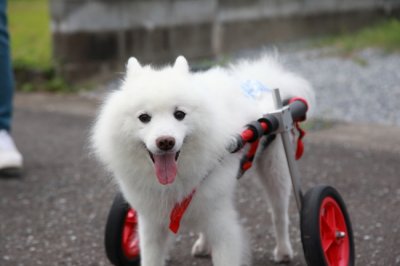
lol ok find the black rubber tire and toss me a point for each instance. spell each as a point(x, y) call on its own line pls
point(113, 233)
point(310, 225)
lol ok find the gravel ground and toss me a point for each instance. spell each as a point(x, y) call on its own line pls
point(362, 88)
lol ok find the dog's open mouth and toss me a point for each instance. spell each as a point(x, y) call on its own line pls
point(165, 166)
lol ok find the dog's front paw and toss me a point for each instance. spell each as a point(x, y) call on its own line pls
point(283, 254)
point(200, 248)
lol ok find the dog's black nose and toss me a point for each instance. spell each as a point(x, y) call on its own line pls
point(165, 143)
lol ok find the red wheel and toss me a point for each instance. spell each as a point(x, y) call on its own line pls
point(121, 238)
point(326, 231)
point(130, 239)
point(333, 232)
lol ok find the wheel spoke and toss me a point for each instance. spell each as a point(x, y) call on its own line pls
point(130, 240)
point(131, 217)
point(340, 222)
point(327, 243)
point(333, 254)
point(327, 235)
point(331, 217)
point(325, 224)
point(134, 244)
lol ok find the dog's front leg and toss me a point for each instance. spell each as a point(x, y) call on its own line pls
point(229, 244)
point(154, 242)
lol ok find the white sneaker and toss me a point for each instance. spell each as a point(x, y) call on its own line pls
point(10, 157)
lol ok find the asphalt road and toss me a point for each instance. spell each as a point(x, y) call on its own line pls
point(55, 214)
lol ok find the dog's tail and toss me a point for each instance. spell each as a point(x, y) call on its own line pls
point(271, 73)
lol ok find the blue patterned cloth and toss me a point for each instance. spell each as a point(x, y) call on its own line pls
point(6, 74)
point(253, 88)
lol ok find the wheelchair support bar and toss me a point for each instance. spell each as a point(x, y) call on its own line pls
point(293, 170)
point(252, 133)
point(280, 122)
point(298, 108)
point(267, 125)
point(272, 123)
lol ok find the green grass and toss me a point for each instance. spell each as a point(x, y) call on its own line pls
point(384, 35)
point(29, 23)
point(29, 27)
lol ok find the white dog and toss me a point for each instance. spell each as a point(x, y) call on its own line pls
point(163, 135)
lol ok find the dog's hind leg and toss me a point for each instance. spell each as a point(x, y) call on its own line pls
point(273, 172)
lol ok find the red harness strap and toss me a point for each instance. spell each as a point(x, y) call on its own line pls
point(249, 157)
point(178, 211)
point(300, 145)
point(302, 133)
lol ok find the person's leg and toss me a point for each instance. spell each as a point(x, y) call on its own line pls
point(10, 158)
point(6, 75)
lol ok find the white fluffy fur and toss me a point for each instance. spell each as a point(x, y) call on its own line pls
point(216, 109)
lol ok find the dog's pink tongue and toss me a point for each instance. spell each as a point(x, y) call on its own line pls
point(166, 167)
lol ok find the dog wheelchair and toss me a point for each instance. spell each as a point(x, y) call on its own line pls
point(326, 231)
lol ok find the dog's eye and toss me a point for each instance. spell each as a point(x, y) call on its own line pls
point(144, 118)
point(179, 115)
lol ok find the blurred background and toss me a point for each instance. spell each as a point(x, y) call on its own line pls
point(71, 40)
point(68, 53)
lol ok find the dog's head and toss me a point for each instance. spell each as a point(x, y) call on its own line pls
point(152, 119)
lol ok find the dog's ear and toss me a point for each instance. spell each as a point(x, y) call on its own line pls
point(181, 64)
point(133, 65)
